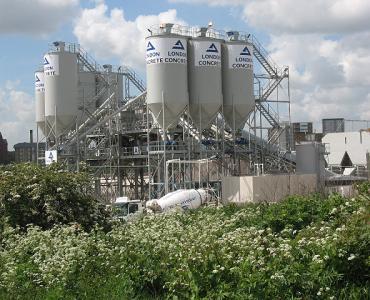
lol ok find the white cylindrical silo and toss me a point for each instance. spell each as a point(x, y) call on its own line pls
point(167, 78)
point(61, 94)
point(205, 79)
point(40, 101)
point(237, 81)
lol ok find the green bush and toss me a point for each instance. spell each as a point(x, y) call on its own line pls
point(47, 196)
point(301, 248)
point(363, 188)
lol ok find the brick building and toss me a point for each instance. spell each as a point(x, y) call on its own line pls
point(3, 150)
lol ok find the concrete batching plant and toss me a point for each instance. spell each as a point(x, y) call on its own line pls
point(202, 103)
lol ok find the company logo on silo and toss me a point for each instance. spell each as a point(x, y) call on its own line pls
point(150, 47)
point(240, 59)
point(39, 85)
point(166, 50)
point(212, 48)
point(177, 57)
point(153, 56)
point(50, 65)
point(207, 54)
point(245, 51)
point(178, 46)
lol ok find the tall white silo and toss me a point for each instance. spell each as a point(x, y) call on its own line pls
point(167, 78)
point(205, 79)
point(40, 101)
point(61, 93)
point(237, 81)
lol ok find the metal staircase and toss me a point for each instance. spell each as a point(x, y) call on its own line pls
point(134, 78)
point(90, 63)
point(263, 58)
point(269, 114)
point(274, 83)
point(276, 76)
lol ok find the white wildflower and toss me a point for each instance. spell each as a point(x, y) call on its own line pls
point(352, 256)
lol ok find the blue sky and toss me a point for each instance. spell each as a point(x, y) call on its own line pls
point(325, 43)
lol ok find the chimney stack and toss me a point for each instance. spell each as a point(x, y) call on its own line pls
point(31, 136)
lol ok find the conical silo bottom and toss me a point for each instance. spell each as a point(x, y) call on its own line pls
point(61, 124)
point(203, 115)
point(171, 114)
point(237, 114)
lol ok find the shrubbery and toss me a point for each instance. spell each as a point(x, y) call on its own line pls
point(301, 248)
point(46, 197)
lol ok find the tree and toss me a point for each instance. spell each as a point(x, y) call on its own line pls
point(44, 197)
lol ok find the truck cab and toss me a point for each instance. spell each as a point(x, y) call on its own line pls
point(124, 208)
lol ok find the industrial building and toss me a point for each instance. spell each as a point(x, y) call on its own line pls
point(302, 127)
point(333, 125)
point(25, 152)
point(208, 112)
point(347, 152)
point(303, 132)
point(3, 150)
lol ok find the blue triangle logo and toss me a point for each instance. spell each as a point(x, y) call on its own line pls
point(245, 51)
point(37, 78)
point(150, 47)
point(46, 62)
point(51, 155)
point(178, 46)
point(212, 48)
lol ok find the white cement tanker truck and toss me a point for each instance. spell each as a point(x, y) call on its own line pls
point(182, 199)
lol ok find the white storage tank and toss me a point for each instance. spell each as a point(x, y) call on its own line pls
point(167, 78)
point(205, 78)
point(61, 95)
point(238, 95)
point(40, 101)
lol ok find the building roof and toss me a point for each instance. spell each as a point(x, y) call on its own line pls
point(24, 145)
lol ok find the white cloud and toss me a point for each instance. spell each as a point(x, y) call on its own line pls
point(329, 78)
point(35, 17)
point(211, 2)
point(109, 34)
point(315, 16)
point(17, 113)
point(300, 16)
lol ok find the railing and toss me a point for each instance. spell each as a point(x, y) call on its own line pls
point(139, 83)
